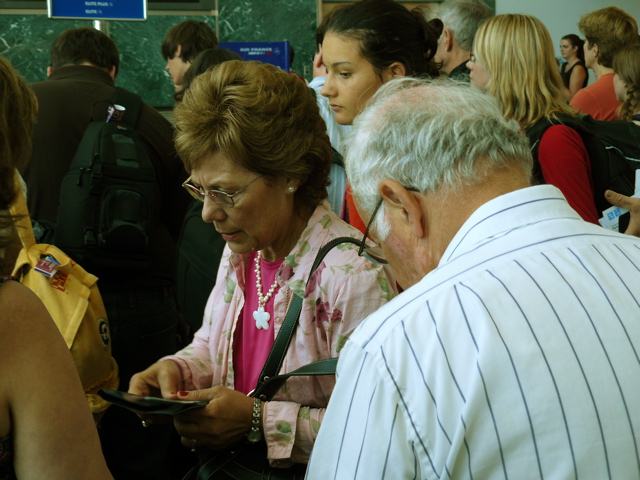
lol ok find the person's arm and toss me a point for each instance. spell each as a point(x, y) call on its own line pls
point(578, 75)
point(565, 164)
point(194, 361)
point(365, 433)
point(50, 422)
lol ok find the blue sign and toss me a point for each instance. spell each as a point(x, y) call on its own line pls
point(98, 9)
point(275, 53)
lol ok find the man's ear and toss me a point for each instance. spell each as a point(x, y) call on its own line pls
point(177, 52)
point(112, 72)
point(49, 71)
point(404, 207)
point(447, 38)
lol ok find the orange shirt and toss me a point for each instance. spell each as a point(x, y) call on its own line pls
point(598, 99)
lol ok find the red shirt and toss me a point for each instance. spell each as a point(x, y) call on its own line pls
point(565, 163)
point(352, 214)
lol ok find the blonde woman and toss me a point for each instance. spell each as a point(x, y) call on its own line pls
point(626, 82)
point(514, 61)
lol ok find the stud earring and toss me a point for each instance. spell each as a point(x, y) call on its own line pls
point(291, 189)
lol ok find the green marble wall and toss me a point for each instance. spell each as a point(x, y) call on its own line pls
point(26, 39)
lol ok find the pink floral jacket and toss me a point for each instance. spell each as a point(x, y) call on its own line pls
point(343, 291)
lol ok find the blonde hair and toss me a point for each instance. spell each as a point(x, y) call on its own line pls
point(517, 52)
point(626, 64)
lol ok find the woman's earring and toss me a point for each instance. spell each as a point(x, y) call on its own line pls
point(291, 189)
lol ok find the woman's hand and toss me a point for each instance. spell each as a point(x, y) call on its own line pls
point(225, 421)
point(630, 203)
point(162, 379)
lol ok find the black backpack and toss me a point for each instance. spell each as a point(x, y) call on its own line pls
point(109, 197)
point(613, 147)
point(200, 249)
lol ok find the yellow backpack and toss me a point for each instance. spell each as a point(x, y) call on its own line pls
point(73, 300)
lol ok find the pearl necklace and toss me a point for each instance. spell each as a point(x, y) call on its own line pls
point(260, 316)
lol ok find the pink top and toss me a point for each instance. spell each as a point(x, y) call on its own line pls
point(249, 338)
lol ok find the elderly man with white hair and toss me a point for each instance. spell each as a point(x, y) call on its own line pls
point(513, 351)
point(461, 19)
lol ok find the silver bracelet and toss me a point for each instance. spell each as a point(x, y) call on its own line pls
point(255, 435)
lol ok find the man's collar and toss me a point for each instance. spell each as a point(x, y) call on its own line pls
point(81, 71)
point(461, 72)
point(508, 212)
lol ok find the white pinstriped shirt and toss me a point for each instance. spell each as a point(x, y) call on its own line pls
point(518, 357)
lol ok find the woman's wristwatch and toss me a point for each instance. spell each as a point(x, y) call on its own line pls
point(255, 435)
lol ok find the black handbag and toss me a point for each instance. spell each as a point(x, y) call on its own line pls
point(246, 460)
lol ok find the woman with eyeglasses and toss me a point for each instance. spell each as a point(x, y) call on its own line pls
point(364, 45)
point(513, 61)
point(259, 158)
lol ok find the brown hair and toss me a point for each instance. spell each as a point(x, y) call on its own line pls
point(262, 118)
point(193, 36)
point(18, 108)
point(517, 52)
point(626, 64)
point(611, 29)
point(205, 60)
point(84, 44)
point(387, 32)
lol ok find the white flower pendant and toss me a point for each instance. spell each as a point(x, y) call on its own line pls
point(262, 318)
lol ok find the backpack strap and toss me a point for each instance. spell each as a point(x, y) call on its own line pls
point(282, 341)
point(535, 133)
point(132, 102)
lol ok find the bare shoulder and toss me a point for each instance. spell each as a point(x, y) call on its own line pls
point(16, 299)
point(22, 314)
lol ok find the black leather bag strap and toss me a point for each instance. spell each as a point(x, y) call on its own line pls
point(268, 389)
point(281, 344)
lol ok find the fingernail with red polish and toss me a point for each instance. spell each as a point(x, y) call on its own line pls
point(183, 394)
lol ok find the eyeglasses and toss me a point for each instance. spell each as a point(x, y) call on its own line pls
point(221, 198)
point(372, 253)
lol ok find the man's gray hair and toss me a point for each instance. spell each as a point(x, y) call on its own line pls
point(430, 134)
point(463, 17)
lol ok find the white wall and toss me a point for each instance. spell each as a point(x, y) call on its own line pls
point(561, 16)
